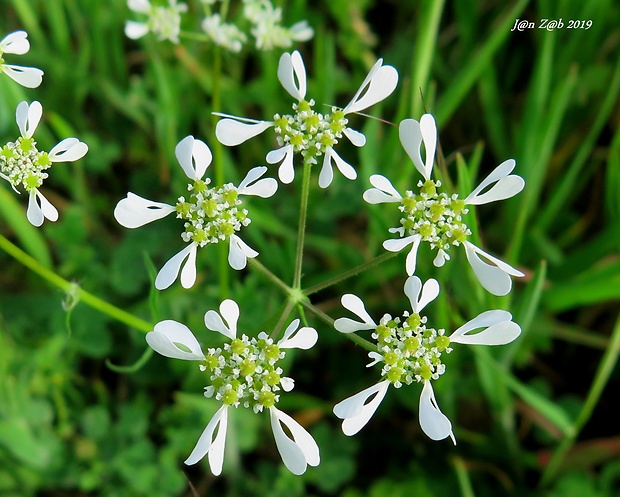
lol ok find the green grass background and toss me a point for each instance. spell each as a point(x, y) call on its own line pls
point(537, 417)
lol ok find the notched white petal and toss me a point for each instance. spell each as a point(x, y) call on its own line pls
point(494, 277)
point(174, 340)
point(168, 274)
point(15, 43)
point(239, 252)
point(229, 310)
point(135, 30)
point(299, 452)
point(505, 185)
point(194, 157)
point(135, 211)
point(327, 174)
point(231, 132)
point(378, 85)
point(263, 188)
point(39, 208)
point(68, 150)
point(433, 422)
point(28, 117)
point(305, 338)
point(413, 288)
point(357, 410)
point(214, 446)
point(28, 77)
point(354, 304)
point(292, 74)
point(355, 137)
point(412, 135)
point(499, 329)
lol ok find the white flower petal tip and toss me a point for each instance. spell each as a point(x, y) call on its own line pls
point(39, 209)
point(383, 191)
point(174, 340)
point(194, 157)
point(396, 245)
point(304, 338)
point(412, 135)
point(28, 117)
point(15, 43)
point(239, 253)
point(252, 185)
point(420, 295)
point(135, 211)
point(354, 304)
point(356, 411)
point(499, 329)
point(169, 272)
point(504, 185)
point(355, 137)
point(327, 174)
point(68, 150)
point(208, 444)
point(229, 310)
point(231, 132)
point(433, 422)
point(292, 74)
point(375, 356)
point(300, 452)
point(286, 171)
point(494, 277)
point(28, 77)
point(140, 6)
point(378, 85)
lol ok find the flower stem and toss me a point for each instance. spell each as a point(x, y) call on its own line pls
point(69, 287)
point(274, 279)
point(351, 272)
point(280, 324)
point(303, 211)
point(605, 369)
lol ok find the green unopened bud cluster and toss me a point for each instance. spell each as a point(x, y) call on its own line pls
point(410, 351)
point(245, 372)
point(310, 132)
point(435, 216)
point(23, 164)
point(211, 214)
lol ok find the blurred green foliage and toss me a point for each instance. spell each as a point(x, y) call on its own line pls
point(71, 425)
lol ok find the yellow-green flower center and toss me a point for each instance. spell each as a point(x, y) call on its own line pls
point(23, 164)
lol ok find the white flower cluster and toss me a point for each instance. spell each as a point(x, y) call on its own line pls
point(163, 21)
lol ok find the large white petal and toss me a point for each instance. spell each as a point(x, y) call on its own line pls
point(286, 172)
point(506, 185)
point(499, 329)
point(356, 412)
point(354, 304)
point(168, 274)
point(297, 453)
point(494, 278)
point(194, 157)
point(135, 30)
point(412, 134)
point(355, 137)
point(304, 338)
point(263, 188)
point(239, 252)
point(175, 340)
point(292, 74)
point(15, 43)
point(142, 6)
point(378, 85)
point(68, 150)
point(135, 211)
point(214, 321)
point(383, 192)
point(216, 454)
point(206, 443)
point(397, 244)
point(28, 117)
point(39, 208)
point(413, 287)
point(232, 132)
point(29, 77)
point(433, 422)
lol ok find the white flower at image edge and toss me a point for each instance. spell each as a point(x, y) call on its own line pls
point(16, 43)
point(500, 184)
point(355, 411)
point(163, 21)
point(194, 157)
point(175, 340)
point(23, 165)
point(378, 85)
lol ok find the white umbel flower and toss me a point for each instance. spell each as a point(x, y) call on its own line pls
point(410, 352)
point(436, 218)
point(223, 34)
point(24, 166)
point(242, 373)
point(211, 215)
point(267, 28)
point(308, 132)
point(163, 21)
point(17, 43)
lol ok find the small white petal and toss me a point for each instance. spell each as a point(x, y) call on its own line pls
point(397, 244)
point(506, 185)
point(413, 287)
point(378, 85)
point(494, 278)
point(29, 77)
point(298, 453)
point(168, 274)
point(68, 150)
point(433, 422)
point(355, 137)
point(263, 188)
point(326, 175)
point(15, 43)
point(194, 157)
point(168, 335)
point(376, 357)
point(499, 329)
point(304, 338)
point(239, 252)
point(206, 443)
point(39, 208)
point(286, 172)
point(441, 258)
point(135, 30)
point(354, 304)
point(292, 74)
point(383, 184)
point(135, 211)
point(142, 6)
point(28, 117)
point(356, 412)
point(232, 132)
point(287, 383)
point(410, 261)
point(230, 312)
point(411, 138)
